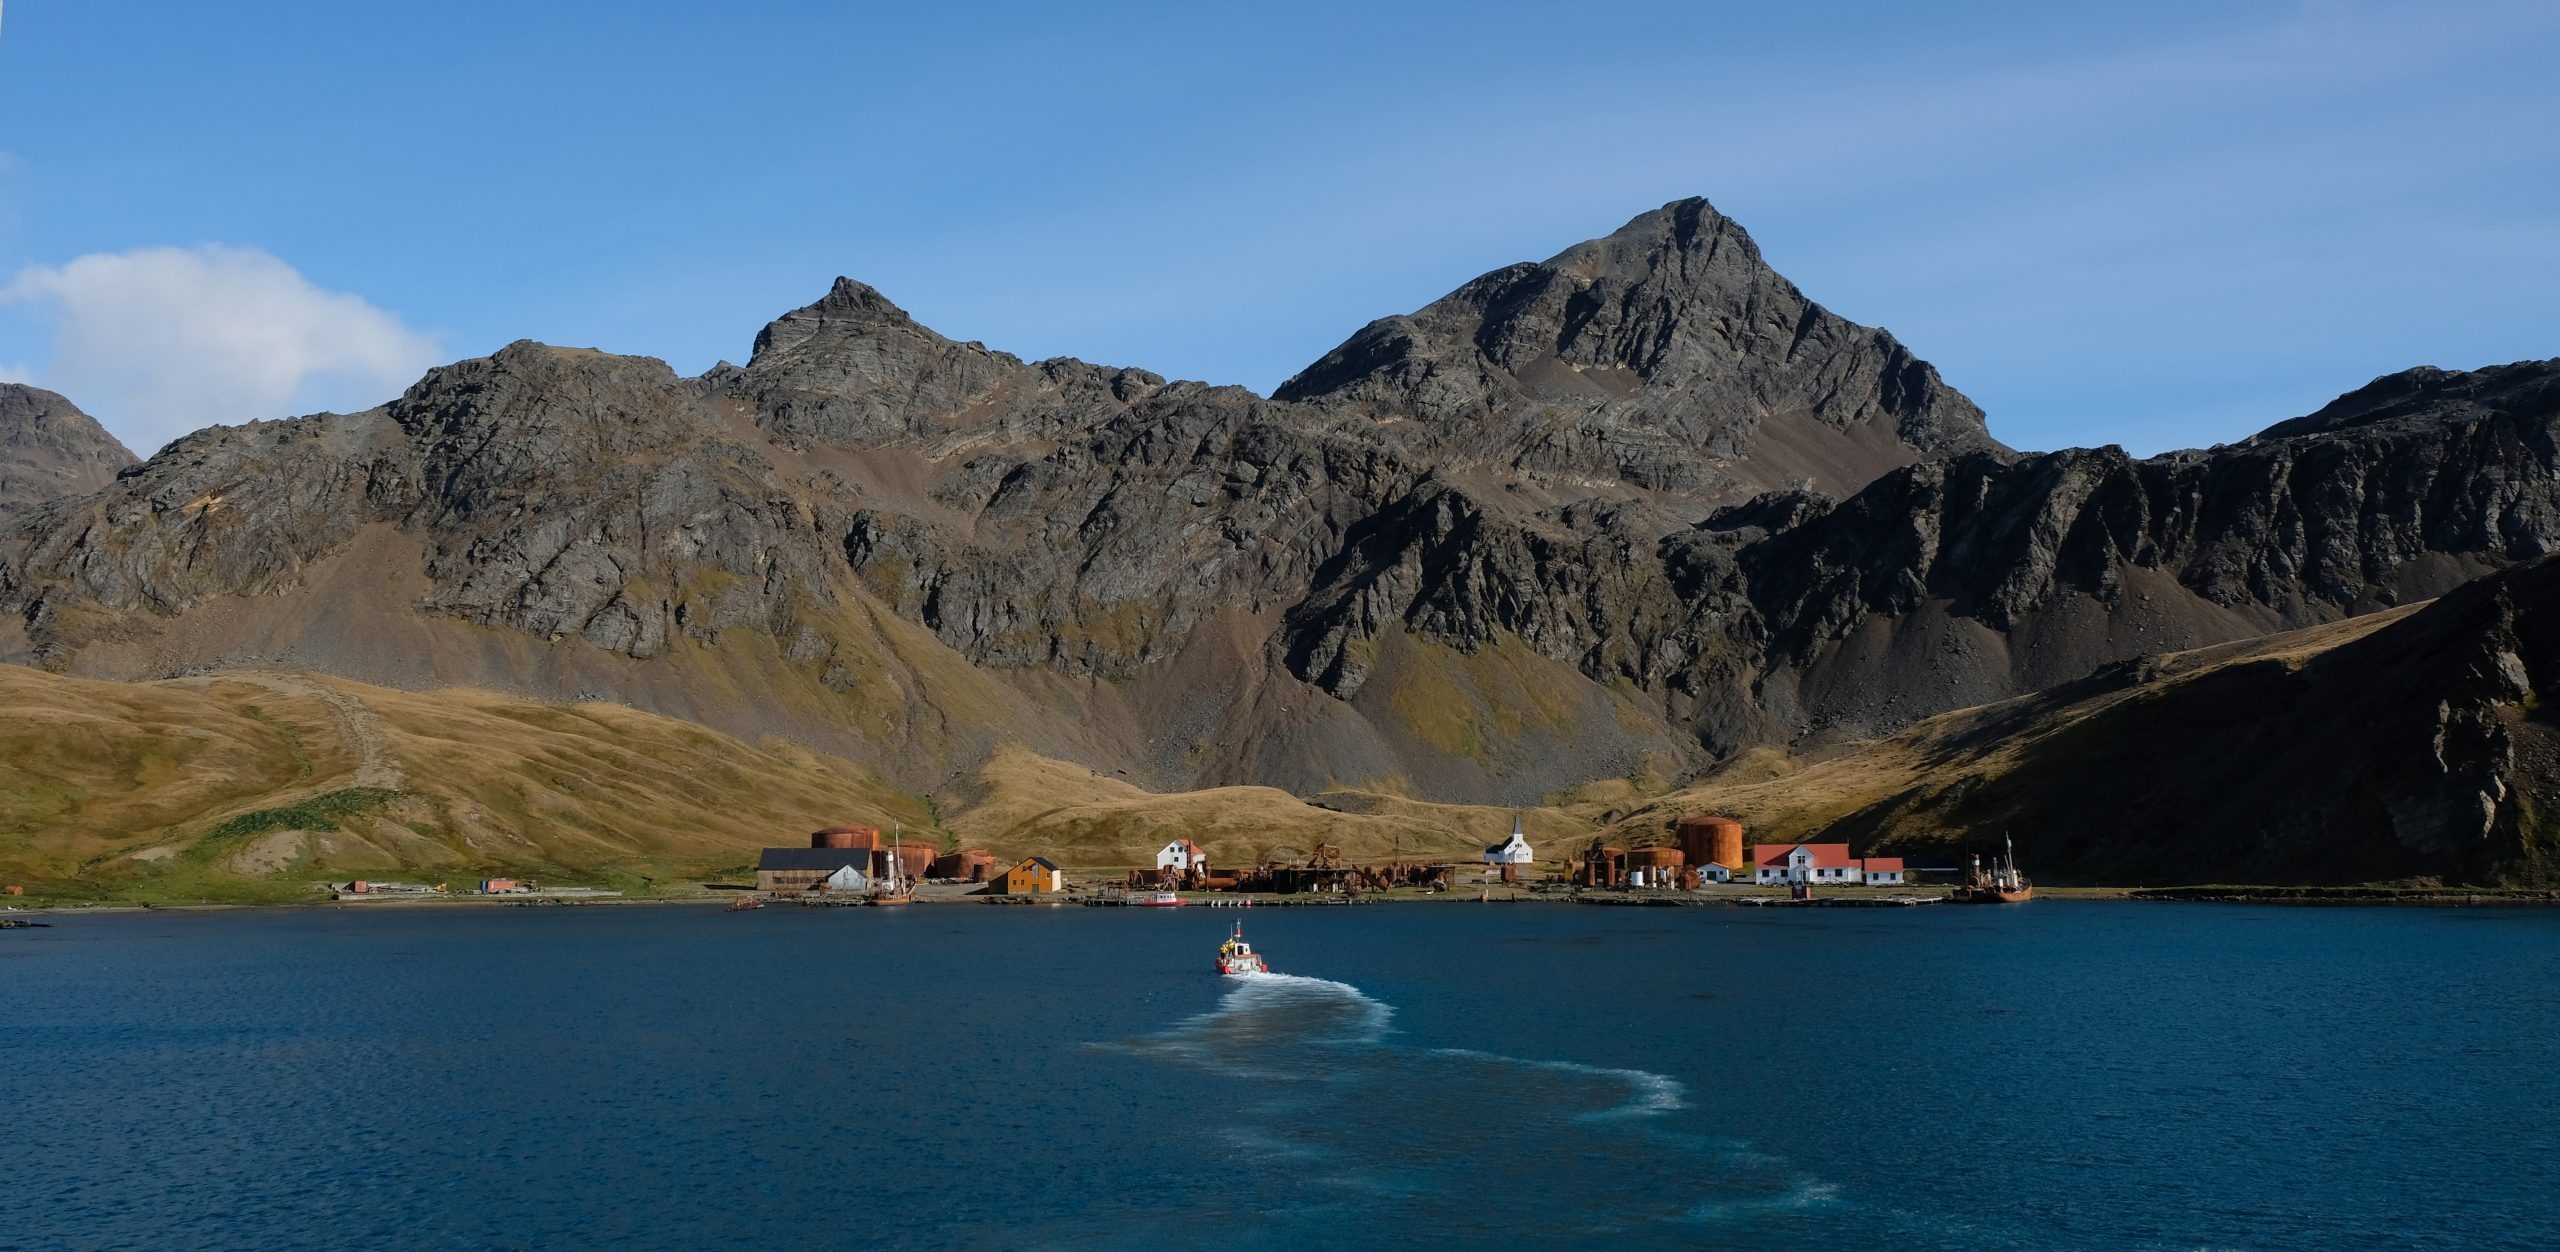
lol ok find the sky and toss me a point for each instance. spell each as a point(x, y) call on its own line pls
point(2157, 225)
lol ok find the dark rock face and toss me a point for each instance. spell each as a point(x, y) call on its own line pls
point(1563, 462)
point(1668, 355)
point(50, 449)
point(2424, 749)
point(1973, 578)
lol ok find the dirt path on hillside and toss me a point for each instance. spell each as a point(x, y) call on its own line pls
point(357, 726)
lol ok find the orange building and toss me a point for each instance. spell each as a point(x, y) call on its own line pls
point(1034, 874)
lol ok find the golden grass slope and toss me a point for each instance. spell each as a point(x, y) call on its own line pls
point(156, 790)
point(1023, 803)
point(251, 785)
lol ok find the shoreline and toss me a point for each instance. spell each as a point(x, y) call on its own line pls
point(944, 895)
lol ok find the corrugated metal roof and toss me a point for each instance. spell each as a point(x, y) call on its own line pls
point(814, 858)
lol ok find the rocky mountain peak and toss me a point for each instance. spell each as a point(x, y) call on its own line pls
point(853, 368)
point(1667, 343)
point(50, 449)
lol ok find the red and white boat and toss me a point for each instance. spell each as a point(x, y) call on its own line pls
point(1161, 900)
point(1235, 956)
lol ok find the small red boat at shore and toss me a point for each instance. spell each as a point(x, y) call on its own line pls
point(1235, 956)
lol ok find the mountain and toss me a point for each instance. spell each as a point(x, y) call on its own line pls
point(1629, 512)
point(2408, 744)
point(1625, 358)
point(50, 449)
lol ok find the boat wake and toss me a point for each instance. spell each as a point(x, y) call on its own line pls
point(1472, 1140)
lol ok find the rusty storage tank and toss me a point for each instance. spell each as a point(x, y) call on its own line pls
point(971, 865)
point(1655, 858)
point(1603, 865)
point(846, 837)
point(1716, 839)
point(915, 860)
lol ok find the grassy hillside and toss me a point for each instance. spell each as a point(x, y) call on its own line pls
point(251, 786)
point(2414, 744)
point(1022, 802)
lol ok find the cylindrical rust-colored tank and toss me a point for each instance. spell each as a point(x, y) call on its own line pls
point(1712, 839)
point(846, 837)
point(1655, 858)
point(915, 859)
point(970, 865)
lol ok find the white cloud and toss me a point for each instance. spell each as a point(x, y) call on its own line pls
point(161, 341)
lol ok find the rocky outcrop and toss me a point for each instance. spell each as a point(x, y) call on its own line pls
point(50, 449)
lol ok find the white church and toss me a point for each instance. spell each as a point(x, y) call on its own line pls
point(1511, 851)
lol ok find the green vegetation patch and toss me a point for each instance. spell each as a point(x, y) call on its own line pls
point(320, 812)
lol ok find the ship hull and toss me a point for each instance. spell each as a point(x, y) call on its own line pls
point(1971, 895)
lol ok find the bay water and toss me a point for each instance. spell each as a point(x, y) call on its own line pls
point(2064, 1074)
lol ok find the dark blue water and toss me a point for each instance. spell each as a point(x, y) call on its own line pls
point(2059, 1075)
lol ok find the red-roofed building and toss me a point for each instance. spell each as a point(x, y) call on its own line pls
point(1820, 863)
point(1182, 856)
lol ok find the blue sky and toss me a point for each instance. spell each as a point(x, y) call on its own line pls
point(2163, 225)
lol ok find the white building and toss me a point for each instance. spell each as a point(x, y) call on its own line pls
point(1511, 851)
point(1822, 863)
point(1181, 856)
point(1716, 871)
point(846, 878)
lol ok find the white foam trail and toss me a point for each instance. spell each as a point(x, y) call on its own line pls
point(1803, 1195)
point(1648, 1093)
point(1267, 1024)
point(1257, 992)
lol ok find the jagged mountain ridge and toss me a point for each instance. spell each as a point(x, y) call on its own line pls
point(1446, 553)
point(50, 449)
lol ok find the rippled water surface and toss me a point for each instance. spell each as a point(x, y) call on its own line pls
point(2057, 1075)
